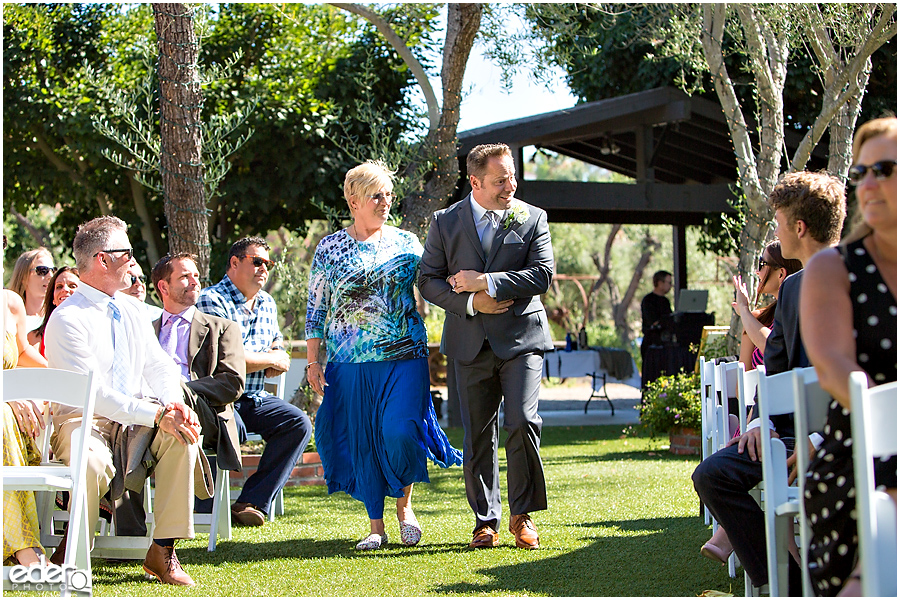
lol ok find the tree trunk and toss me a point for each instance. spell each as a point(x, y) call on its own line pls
point(439, 148)
point(181, 163)
point(603, 266)
point(620, 310)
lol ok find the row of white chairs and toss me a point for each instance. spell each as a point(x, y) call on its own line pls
point(874, 432)
point(874, 422)
point(76, 390)
point(719, 383)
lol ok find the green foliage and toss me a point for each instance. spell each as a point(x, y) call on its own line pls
point(300, 62)
point(670, 401)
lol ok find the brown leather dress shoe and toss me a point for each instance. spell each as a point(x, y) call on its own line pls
point(244, 513)
point(526, 533)
point(485, 537)
point(162, 563)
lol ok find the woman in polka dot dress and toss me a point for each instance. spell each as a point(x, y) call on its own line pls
point(848, 319)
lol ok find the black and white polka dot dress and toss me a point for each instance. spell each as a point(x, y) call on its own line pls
point(830, 493)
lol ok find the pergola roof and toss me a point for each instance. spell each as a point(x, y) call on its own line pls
point(676, 147)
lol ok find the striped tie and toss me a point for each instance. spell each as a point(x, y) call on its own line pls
point(121, 359)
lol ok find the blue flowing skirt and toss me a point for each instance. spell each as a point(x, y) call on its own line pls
point(376, 427)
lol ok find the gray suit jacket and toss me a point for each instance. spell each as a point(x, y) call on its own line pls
point(521, 263)
point(217, 368)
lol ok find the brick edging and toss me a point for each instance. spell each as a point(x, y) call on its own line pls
point(307, 472)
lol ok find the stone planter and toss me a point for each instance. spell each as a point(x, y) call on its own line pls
point(683, 440)
point(307, 472)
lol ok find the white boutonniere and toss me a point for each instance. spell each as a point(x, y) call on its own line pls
point(517, 213)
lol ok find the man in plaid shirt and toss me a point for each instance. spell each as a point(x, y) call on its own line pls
point(285, 428)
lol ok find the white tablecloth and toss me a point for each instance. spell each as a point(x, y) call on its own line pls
point(583, 363)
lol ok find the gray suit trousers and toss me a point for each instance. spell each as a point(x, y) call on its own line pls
point(482, 384)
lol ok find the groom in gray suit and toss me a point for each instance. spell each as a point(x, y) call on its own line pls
point(487, 260)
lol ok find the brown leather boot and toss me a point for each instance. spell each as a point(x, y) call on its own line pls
point(162, 563)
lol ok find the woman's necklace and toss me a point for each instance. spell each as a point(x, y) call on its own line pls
point(367, 274)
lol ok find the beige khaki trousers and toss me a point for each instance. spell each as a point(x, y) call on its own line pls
point(173, 503)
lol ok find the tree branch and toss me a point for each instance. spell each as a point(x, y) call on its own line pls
point(405, 53)
point(711, 38)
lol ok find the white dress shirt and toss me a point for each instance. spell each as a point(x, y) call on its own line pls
point(478, 213)
point(79, 338)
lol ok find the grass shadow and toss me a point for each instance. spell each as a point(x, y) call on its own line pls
point(618, 562)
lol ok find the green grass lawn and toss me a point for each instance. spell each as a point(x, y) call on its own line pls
point(622, 521)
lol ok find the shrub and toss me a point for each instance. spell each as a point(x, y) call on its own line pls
point(671, 401)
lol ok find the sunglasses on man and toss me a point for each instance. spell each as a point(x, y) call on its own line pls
point(881, 170)
point(130, 252)
point(136, 278)
point(258, 262)
point(43, 270)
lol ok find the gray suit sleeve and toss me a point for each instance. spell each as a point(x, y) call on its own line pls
point(433, 273)
point(535, 277)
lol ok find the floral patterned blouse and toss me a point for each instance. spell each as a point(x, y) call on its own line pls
point(361, 298)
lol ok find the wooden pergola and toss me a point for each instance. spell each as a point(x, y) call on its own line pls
point(676, 147)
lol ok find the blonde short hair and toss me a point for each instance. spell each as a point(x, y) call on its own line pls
point(362, 180)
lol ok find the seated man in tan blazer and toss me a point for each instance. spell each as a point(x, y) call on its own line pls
point(208, 350)
point(100, 329)
point(210, 354)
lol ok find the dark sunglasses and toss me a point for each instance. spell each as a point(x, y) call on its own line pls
point(130, 252)
point(136, 278)
point(43, 271)
point(258, 262)
point(881, 170)
point(765, 263)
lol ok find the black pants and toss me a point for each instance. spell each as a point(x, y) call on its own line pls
point(723, 481)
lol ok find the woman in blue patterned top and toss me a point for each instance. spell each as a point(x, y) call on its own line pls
point(376, 425)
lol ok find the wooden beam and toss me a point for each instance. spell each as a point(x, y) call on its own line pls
point(628, 198)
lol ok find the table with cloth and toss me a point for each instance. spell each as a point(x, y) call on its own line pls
point(601, 364)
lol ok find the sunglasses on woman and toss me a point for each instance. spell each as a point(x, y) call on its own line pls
point(881, 170)
point(43, 271)
point(765, 263)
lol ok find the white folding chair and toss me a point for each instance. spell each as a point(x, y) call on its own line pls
point(726, 380)
point(747, 389)
point(71, 389)
point(707, 416)
point(810, 414)
point(727, 376)
point(873, 415)
point(218, 523)
point(780, 502)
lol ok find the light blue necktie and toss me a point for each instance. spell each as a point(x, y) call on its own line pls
point(487, 236)
point(121, 359)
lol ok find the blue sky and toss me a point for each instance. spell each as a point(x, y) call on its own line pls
point(486, 102)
